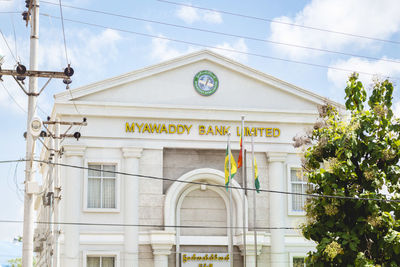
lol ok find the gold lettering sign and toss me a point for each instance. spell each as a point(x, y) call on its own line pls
point(211, 130)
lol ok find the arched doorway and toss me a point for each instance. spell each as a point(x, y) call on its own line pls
point(203, 206)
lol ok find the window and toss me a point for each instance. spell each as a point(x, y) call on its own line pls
point(100, 261)
point(298, 262)
point(297, 184)
point(101, 186)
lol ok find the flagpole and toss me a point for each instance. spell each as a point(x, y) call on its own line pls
point(244, 195)
point(230, 204)
point(254, 200)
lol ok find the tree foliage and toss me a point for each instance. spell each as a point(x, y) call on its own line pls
point(354, 156)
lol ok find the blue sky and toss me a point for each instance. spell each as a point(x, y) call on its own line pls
point(97, 53)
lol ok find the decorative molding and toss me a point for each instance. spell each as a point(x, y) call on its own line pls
point(132, 152)
point(74, 150)
point(162, 241)
point(276, 156)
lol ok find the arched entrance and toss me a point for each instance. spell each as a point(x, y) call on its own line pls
point(203, 206)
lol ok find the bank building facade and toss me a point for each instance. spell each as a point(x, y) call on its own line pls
point(154, 146)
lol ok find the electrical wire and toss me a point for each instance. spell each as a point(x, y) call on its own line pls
point(15, 38)
point(224, 186)
point(63, 31)
point(281, 22)
point(223, 33)
point(220, 48)
point(18, 190)
point(5, 40)
point(12, 97)
point(15, 101)
point(151, 225)
point(217, 185)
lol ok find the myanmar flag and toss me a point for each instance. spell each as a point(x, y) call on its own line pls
point(256, 181)
point(233, 167)
point(240, 159)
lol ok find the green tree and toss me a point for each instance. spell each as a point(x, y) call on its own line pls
point(15, 262)
point(354, 156)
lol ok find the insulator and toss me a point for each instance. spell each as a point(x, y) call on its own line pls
point(77, 135)
point(27, 2)
point(21, 69)
point(43, 134)
point(21, 78)
point(25, 135)
point(67, 81)
point(25, 15)
point(68, 71)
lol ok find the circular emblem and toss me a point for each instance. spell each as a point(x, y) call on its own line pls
point(205, 82)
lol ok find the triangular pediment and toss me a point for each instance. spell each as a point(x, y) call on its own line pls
point(172, 83)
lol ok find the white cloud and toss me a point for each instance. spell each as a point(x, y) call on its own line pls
point(239, 45)
point(212, 17)
point(89, 53)
point(161, 49)
point(379, 68)
point(377, 19)
point(190, 15)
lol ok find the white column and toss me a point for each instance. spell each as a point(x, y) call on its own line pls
point(161, 243)
point(276, 176)
point(73, 180)
point(131, 205)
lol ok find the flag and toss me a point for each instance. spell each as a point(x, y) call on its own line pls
point(233, 167)
point(240, 159)
point(256, 181)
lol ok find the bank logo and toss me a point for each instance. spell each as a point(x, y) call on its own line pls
point(205, 82)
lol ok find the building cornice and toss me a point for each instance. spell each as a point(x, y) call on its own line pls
point(74, 150)
point(132, 152)
point(276, 156)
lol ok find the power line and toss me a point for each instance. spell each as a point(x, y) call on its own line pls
point(150, 225)
point(281, 22)
point(63, 31)
point(215, 185)
point(217, 48)
point(12, 97)
point(223, 186)
point(5, 40)
point(223, 33)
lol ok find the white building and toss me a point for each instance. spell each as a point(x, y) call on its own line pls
point(165, 121)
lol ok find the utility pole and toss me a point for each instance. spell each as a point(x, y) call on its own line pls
point(54, 184)
point(34, 124)
point(27, 241)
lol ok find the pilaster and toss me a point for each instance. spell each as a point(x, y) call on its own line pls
point(161, 243)
point(276, 176)
point(131, 205)
point(72, 198)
